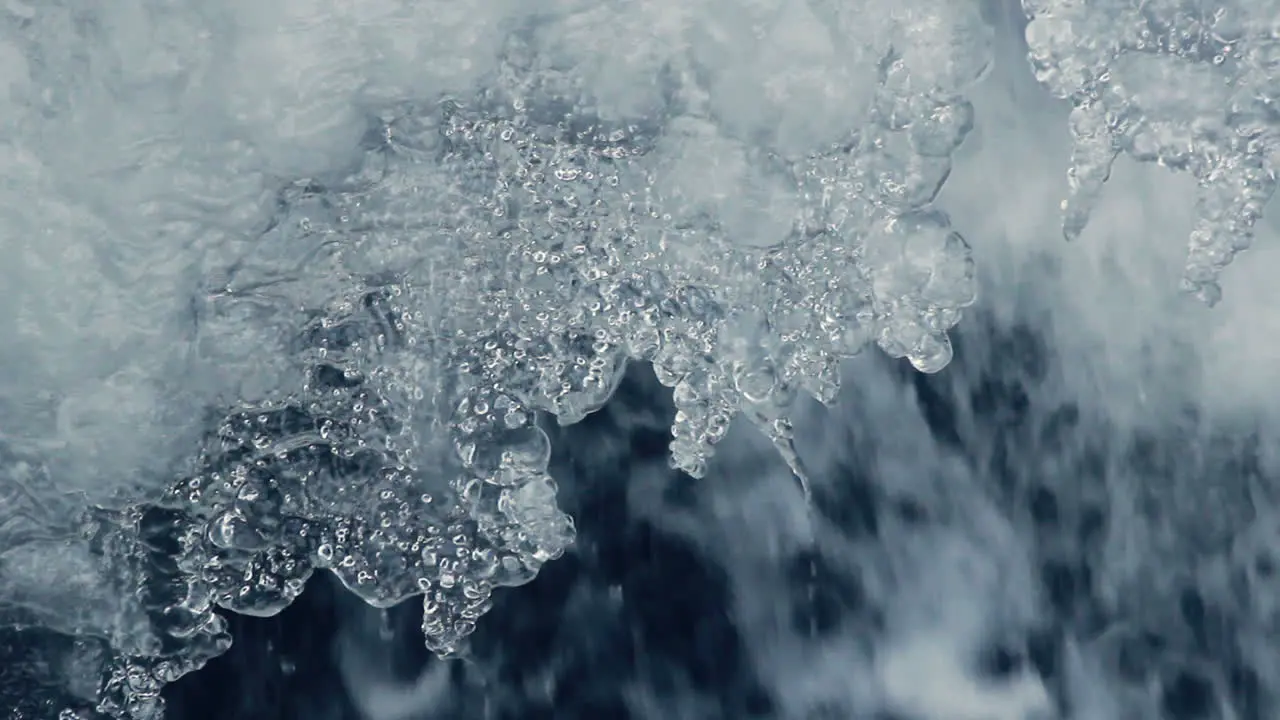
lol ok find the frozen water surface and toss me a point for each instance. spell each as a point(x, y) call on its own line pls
point(325, 321)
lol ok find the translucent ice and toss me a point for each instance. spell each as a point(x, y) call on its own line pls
point(1186, 84)
point(297, 285)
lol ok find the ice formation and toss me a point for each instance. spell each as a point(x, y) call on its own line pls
point(376, 244)
point(455, 255)
point(1184, 83)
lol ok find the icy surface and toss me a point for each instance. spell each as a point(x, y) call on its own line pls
point(309, 285)
point(1187, 84)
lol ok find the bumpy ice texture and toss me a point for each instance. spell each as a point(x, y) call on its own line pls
point(1188, 84)
point(378, 267)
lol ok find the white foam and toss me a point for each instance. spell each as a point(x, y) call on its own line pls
point(926, 676)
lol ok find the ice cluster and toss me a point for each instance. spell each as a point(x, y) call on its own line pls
point(1188, 84)
point(398, 278)
point(376, 245)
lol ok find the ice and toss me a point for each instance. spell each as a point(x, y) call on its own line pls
point(297, 286)
point(1182, 84)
